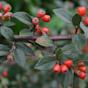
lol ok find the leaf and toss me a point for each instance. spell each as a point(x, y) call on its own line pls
point(3, 53)
point(6, 32)
point(63, 14)
point(68, 79)
point(20, 57)
point(23, 17)
point(44, 41)
point(70, 51)
point(76, 19)
point(85, 29)
point(26, 32)
point(78, 41)
point(9, 23)
point(58, 53)
point(45, 64)
point(27, 50)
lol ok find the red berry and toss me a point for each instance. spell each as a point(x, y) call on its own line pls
point(81, 63)
point(85, 21)
point(37, 29)
point(83, 68)
point(5, 73)
point(82, 75)
point(64, 68)
point(45, 30)
point(7, 8)
point(35, 21)
point(56, 68)
point(81, 11)
point(46, 18)
point(41, 13)
point(1, 6)
point(68, 63)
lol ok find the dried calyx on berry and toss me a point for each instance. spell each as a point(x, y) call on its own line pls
point(5, 13)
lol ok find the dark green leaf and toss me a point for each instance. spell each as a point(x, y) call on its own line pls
point(27, 50)
point(20, 57)
point(45, 64)
point(78, 41)
point(26, 32)
point(76, 20)
point(58, 53)
point(9, 23)
point(68, 79)
point(44, 41)
point(63, 14)
point(6, 32)
point(85, 29)
point(23, 17)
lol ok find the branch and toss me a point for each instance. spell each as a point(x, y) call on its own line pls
point(54, 38)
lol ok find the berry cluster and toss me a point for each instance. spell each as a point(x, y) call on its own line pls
point(41, 15)
point(5, 13)
point(82, 11)
point(63, 67)
point(79, 70)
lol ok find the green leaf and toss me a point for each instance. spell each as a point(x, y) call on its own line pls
point(9, 24)
point(3, 53)
point(63, 14)
point(85, 29)
point(78, 41)
point(27, 50)
point(45, 63)
point(6, 32)
point(20, 57)
point(58, 53)
point(44, 41)
point(23, 17)
point(26, 32)
point(70, 51)
point(68, 79)
point(76, 20)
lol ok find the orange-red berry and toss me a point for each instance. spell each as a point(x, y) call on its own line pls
point(83, 68)
point(85, 21)
point(45, 30)
point(46, 18)
point(82, 75)
point(37, 29)
point(64, 68)
point(5, 73)
point(56, 68)
point(35, 21)
point(68, 63)
point(1, 6)
point(82, 10)
point(7, 8)
point(41, 13)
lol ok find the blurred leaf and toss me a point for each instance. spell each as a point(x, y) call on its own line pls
point(63, 14)
point(85, 29)
point(20, 57)
point(68, 79)
point(23, 17)
point(6, 32)
point(44, 41)
point(45, 63)
point(78, 41)
point(26, 32)
point(27, 50)
point(9, 23)
point(76, 19)
point(58, 53)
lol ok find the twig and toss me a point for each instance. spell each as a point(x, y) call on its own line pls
point(33, 38)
